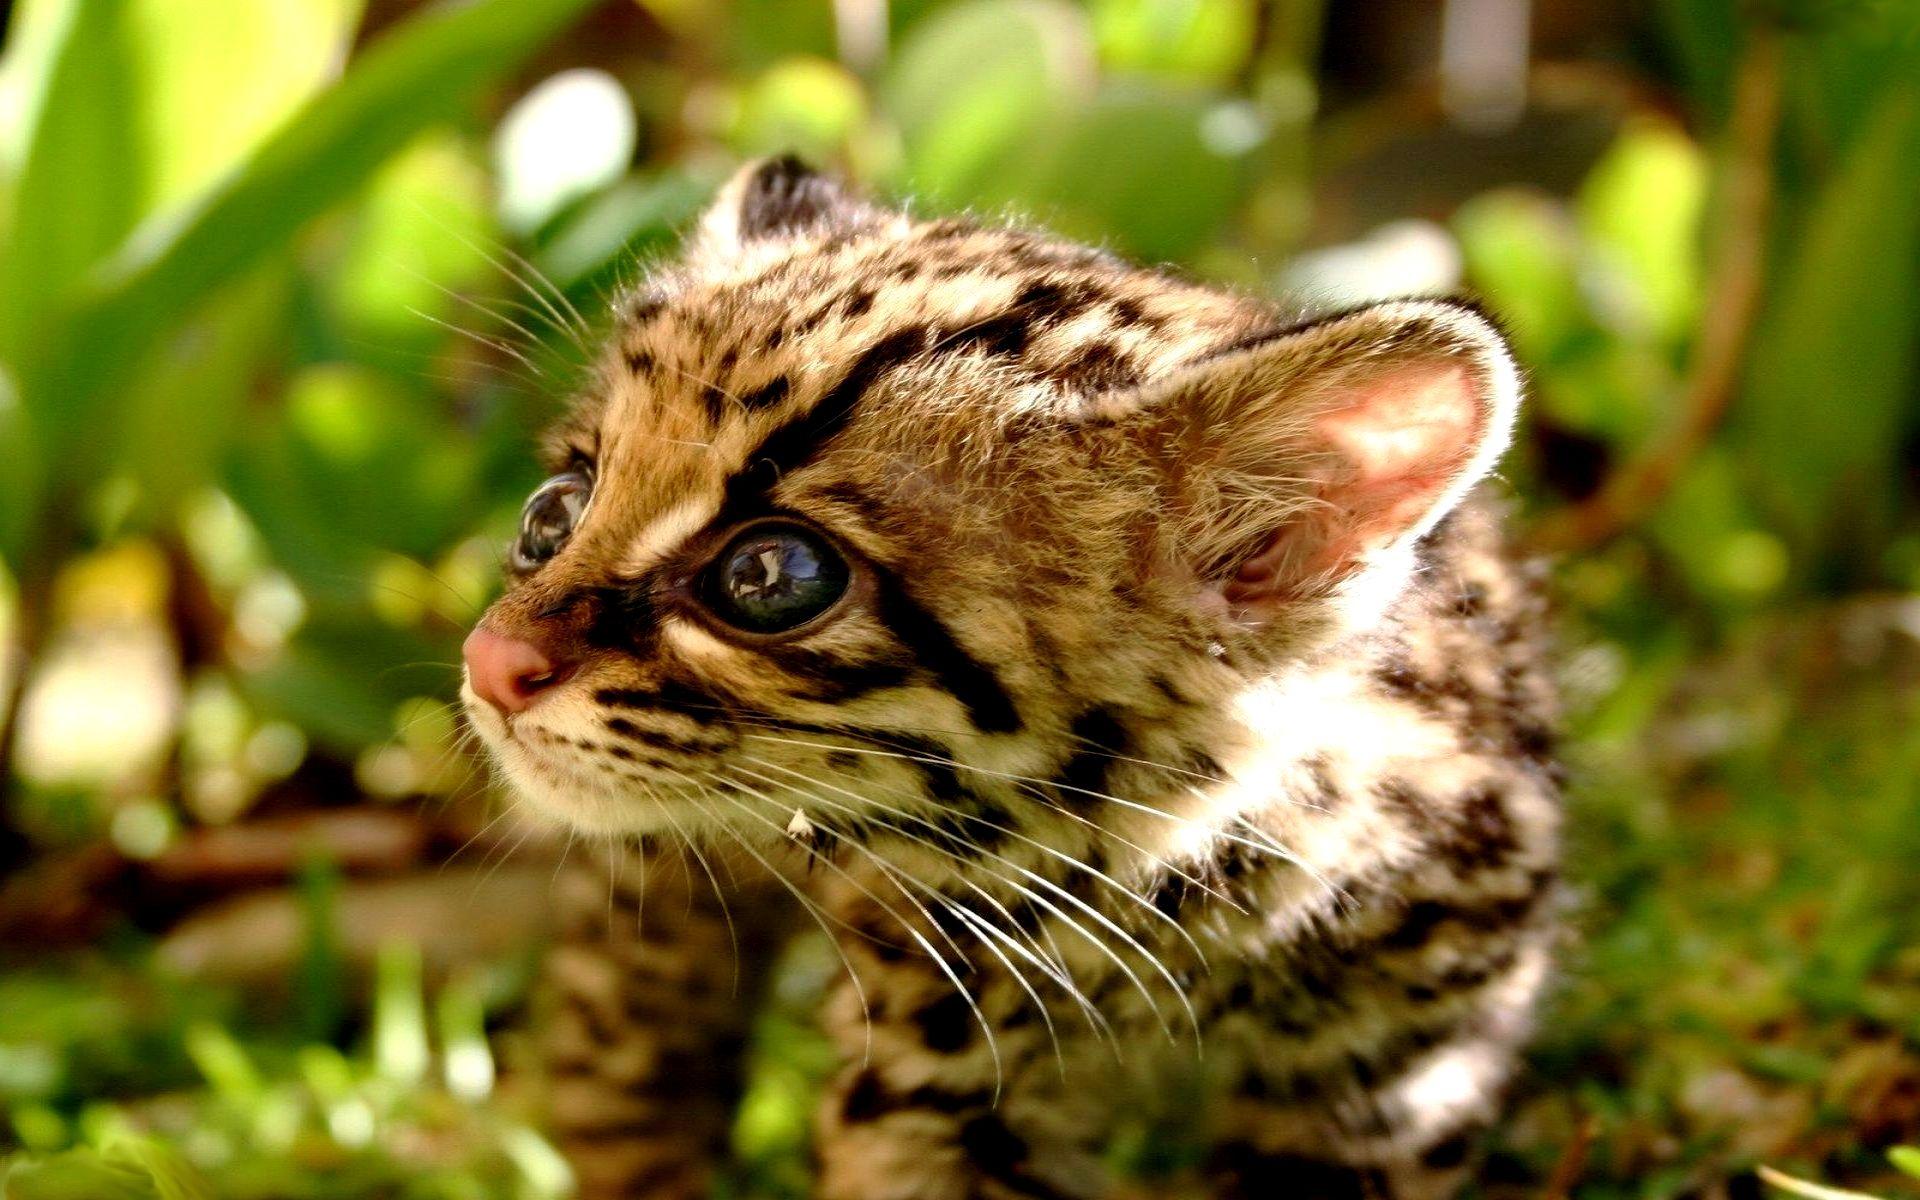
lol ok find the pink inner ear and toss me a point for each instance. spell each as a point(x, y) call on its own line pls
point(1396, 441)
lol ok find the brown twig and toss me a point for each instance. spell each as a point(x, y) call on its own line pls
point(1573, 1160)
point(1727, 315)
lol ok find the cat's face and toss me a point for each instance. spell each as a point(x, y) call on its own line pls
point(880, 529)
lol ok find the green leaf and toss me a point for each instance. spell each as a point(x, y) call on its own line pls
point(1087, 181)
point(1640, 209)
point(413, 78)
point(1523, 256)
point(597, 244)
point(1205, 40)
point(77, 1175)
point(140, 105)
point(972, 82)
point(173, 1177)
point(1833, 360)
point(808, 105)
point(418, 240)
point(1906, 1159)
point(216, 77)
point(177, 418)
point(1812, 1191)
point(400, 1050)
point(75, 126)
point(128, 1168)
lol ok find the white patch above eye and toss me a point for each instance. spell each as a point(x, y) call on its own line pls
point(694, 643)
point(666, 532)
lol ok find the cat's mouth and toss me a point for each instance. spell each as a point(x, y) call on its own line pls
point(580, 775)
point(573, 781)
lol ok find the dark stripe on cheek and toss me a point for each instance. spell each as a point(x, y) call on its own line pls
point(830, 679)
point(660, 740)
point(965, 677)
point(1100, 742)
point(936, 767)
point(671, 696)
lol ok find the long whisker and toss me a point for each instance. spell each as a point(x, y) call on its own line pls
point(719, 895)
point(492, 343)
point(532, 339)
point(1055, 971)
point(882, 748)
point(1059, 971)
point(1126, 938)
point(946, 968)
point(820, 918)
point(576, 330)
point(951, 762)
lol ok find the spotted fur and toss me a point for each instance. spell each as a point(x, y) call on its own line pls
point(1173, 725)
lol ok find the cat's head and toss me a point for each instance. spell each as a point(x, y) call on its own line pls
point(876, 528)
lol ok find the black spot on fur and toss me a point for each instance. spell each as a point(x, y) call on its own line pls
point(1051, 302)
point(991, 1146)
point(1247, 1174)
point(768, 394)
point(832, 679)
point(643, 308)
point(1096, 367)
point(1004, 335)
point(935, 765)
point(865, 1100)
point(946, 1025)
point(1448, 1153)
point(621, 727)
point(623, 619)
point(1100, 743)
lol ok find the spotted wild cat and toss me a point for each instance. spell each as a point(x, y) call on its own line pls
point(1128, 676)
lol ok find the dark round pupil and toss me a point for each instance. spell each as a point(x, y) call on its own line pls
point(549, 518)
point(775, 579)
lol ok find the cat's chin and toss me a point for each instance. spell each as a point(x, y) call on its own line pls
point(592, 815)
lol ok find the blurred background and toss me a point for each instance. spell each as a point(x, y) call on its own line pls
point(285, 292)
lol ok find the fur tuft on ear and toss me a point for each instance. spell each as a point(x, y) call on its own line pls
point(778, 197)
point(1311, 461)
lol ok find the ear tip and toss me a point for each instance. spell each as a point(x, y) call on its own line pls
point(768, 169)
point(1479, 332)
point(782, 194)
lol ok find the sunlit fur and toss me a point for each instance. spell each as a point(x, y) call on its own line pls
point(1136, 750)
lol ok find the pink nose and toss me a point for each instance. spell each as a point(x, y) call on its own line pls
point(507, 672)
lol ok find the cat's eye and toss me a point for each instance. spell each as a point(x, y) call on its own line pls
point(773, 578)
point(547, 521)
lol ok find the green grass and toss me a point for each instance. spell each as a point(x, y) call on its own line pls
point(1743, 991)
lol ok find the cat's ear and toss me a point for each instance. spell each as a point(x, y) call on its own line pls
point(1313, 459)
point(778, 197)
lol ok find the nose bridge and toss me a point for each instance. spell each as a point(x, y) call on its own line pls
point(553, 611)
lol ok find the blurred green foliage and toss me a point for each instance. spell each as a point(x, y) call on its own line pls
point(286, 291)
